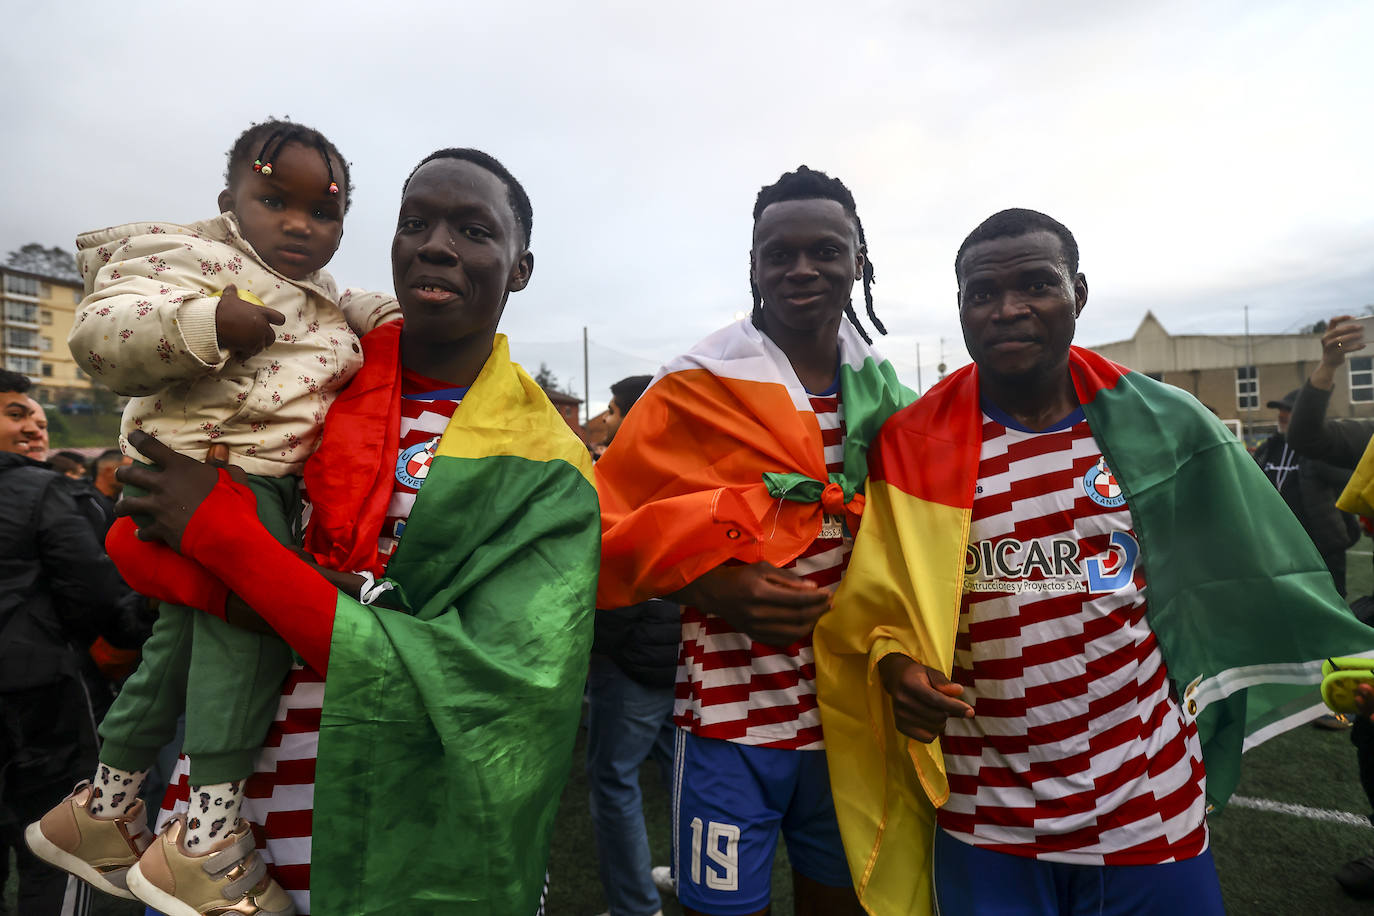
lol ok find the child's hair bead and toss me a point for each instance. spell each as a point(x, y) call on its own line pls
point(333, 188)
point(267, 168)
point(257, 165)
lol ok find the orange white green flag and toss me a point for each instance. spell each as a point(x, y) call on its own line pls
point(1240, 601)
point(722, 459)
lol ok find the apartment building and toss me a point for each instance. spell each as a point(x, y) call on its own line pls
point(36, 315)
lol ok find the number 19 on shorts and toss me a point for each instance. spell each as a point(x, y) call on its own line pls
point(722, 851)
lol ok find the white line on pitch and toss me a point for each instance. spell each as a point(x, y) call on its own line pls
point(1312, 814)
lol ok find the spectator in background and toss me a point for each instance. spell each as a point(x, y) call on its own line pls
point(70, 464)
point(1342, 442)
point(629, 720)
point(38, 446)
point(56, 589)
point(1310, 486)
point(103, 469)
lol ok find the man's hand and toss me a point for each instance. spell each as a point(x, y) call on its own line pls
point(1364, 701)
point(1343, 336)
point(351, 584)
point(923, 699)
point(769, 605)
point(244, 329)
point(173, 493)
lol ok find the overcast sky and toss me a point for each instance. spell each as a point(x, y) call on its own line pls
point(1208, 155)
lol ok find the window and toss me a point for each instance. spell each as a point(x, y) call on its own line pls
point(45, 316)
point(23, 286)
point(1361, 379)
point(76, 297)
point(45, 344)
point(28, 365)
point(47, 370)
point(20, 339)
point(21, 311)
point(1247, 387)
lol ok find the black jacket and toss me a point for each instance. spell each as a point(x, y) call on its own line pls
point(1310, 488)
point(642, 640)
point(57, 586)
point(1340, 442)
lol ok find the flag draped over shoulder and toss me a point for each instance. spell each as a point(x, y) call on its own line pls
point(447, 730)
point(721, 458)
point(1239, 599)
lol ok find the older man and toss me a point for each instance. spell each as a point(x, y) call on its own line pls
point(1045, 612)
point(39, 445)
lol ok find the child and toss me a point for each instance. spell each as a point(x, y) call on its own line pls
point(224, 332)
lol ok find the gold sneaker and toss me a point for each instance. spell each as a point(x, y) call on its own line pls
point(99, 851)
point(229, 879)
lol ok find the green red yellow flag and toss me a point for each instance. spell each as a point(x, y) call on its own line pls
point(447, 730)
point(1241, 603)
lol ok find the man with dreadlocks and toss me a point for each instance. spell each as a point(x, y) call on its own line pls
point(227, 334)
point(734, 485)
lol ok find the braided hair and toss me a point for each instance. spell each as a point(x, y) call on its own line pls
point(265, 140)
point(809, 184)
point(519, 201)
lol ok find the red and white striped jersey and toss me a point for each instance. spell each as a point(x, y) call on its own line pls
point(426, 406)
point(732, 688)
point(1077, 752)
point(279, 799)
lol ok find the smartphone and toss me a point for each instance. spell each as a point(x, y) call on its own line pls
point(1367, 327)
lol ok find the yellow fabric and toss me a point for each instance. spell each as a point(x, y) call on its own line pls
point(1358, 496)
point(501, 415)
point(901, 592)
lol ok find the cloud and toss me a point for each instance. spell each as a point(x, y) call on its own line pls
point(1206, 156)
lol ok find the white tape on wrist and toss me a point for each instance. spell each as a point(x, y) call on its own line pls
point(372, 589)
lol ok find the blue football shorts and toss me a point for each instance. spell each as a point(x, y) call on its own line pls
point(729, 803)
point(971, 881)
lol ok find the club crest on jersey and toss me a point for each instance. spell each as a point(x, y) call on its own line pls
point(413, 464)
point(1101, 487)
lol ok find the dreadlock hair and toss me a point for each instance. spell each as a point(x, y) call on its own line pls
point(265, 140)
point(809, 184)
point(1013, 223)
point(519, 201)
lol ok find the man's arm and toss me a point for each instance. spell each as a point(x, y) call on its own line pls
point(1309, 432)
point(923, 699)
point(200, 512)
point(769, 605)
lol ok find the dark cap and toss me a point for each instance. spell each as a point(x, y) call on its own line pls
point(1287, 403)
